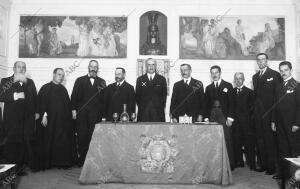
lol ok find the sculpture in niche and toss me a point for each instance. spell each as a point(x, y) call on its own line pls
point(153, 45)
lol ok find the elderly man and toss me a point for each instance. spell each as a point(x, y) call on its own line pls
point(117, 94)
point(87, 106)
point(20, 112)
point(265, 83)
point(286, 118)
point(187, 97)
point(57, 131)
point(219, 94)
point(243, 130)
point(151, 94)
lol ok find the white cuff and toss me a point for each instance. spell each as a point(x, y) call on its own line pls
point(206, 119)
point(230, 119)
point(15, 96)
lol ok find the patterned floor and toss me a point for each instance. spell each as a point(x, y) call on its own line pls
point(67, 179)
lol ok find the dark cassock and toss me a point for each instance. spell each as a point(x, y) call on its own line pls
point(115, 96)
point(221, 98)
point(264, 94)
point(286, 115)
point(151, 98)
point(57, 138)
point(19, 121)
point(187, 98)
point(87, 99)
point(243, 129)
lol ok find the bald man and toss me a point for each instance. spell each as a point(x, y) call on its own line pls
point(20, 112)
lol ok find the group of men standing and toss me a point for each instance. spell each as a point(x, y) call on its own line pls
point(263, 123)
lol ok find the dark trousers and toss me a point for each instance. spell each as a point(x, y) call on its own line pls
point(244, 137)
point(150, 114)
point(266, 144)
point(85, 127)
point(218, 116)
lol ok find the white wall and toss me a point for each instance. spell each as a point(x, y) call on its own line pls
point(41, 69)
point(5, 5)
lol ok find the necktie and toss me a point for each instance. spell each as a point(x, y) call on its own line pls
point(239, 90)
point(186, 82)
point(217, 85)
point(260, 73)
point(150, 78)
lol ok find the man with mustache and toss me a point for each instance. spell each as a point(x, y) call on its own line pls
point(87, 106)
point(286, 118)
point(265, 82)
point(20, 112)
point(219, 95)
point(151, 94)
point(243, 130)
point(117, 94)
point(187, 97)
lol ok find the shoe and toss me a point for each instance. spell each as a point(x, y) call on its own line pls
point(240, 164)
point(270, 172)
point(260, 169)
point(22, 173)
point(277, 176)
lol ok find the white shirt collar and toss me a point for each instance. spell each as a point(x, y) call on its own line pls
point(240, 87)
point(187, 79)
point(219, 82)
point(263, 70)
point(152, 75)
point(121, 82)
point(288, 79)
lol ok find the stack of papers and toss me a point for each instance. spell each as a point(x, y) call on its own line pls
point(294, 160)
point(5, 167)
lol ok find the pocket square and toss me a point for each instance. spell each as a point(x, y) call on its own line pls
point(289, 91)
point(270, 79)
point(225, 90)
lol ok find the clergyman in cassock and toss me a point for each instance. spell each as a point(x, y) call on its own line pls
point(286, 118)
point(187, 97)
point(117, 94)
point(57, 132)
point(20, 112)
point(87, 106)
point(151, 94)
point(265, 83)
point(243, 127)
point(219, 97)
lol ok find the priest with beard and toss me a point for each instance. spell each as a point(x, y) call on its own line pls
point(20, 112)
point(56, 128)
point(117, 94)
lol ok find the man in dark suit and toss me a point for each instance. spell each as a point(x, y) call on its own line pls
point(265, 82)
point(187, 97)
point(220, 93)
point(117, 94)
point(286, 118)
point(243, 130)
point(87, 106)
point(20, 112)
point(151, 94)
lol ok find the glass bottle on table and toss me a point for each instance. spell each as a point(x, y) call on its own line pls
point(124, 117)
